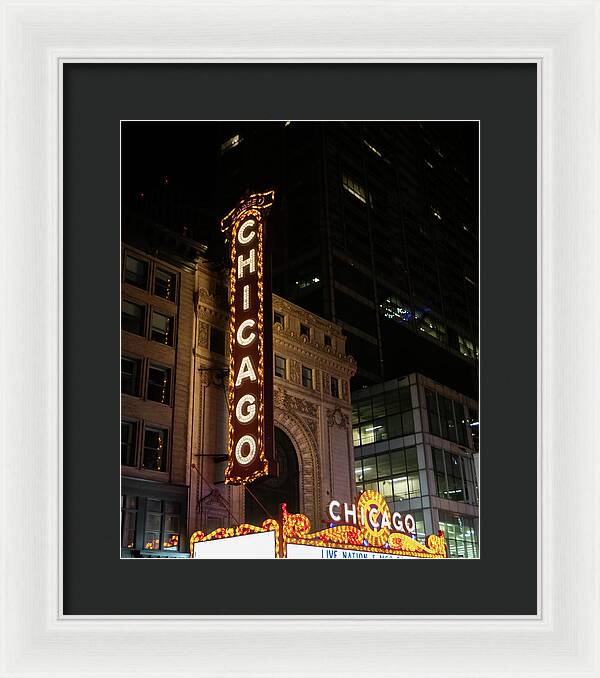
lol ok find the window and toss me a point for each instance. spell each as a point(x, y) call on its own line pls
point(384, 416)
point(165, 284)
point(217, 341)
point(127, 443)
point(460, 534)
point(455, 476)
point(335, 387)
point(280, 367)
point(162, 329)
point(446, 418)
point(129, 507)
point(307, 377)
point(304, 330)
point(132, 317)
point(155, 449)
point(136, 272)
point(230, 143)
point(159, 384)
point(394, 474)
point(130, 376)
point(279, 318)
point(354, 188)
point(161, 529)
point(467, 348)
point(327, 340)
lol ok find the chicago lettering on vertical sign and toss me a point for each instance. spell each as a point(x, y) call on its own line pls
point(250, 391)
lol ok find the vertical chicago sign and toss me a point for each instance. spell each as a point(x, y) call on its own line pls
point(250, 425)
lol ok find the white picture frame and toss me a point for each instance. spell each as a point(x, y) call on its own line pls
point(562, 38)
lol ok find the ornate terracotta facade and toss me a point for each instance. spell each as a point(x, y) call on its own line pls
point(311, 406)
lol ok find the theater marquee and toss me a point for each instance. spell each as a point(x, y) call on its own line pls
point(250, 427)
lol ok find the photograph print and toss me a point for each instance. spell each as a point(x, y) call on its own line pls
point(299, 339)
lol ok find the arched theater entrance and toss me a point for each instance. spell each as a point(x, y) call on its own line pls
point(270, 493)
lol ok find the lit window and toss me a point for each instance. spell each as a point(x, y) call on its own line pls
point(307, 377)
point(155, 449)
point(354, 188)
point(164, 284)
point(372, 148)
point(130, 376)
point(432, 327)
point(161, 529)
point(231, 143)
point(132, 317)
point(280, 366)
point(307, 282)
point(136, 272)
point(396, 309)
point(467, 348)
point(159, 384)
point(162, 329)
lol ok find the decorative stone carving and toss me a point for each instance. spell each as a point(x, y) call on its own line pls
point(285, 401)
point(345, 391)
point(337, 418)
point(202, 339)
point(295, 371)
point(304, 441)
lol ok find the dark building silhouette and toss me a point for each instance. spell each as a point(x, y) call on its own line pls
point(375, 227)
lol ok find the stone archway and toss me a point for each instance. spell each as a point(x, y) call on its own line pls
point(306, 449)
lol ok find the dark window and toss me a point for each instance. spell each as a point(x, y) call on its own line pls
point(455, 476)
point(327, 340)
point(159, 384)
point(132, 317)
point(304, 330)
point(165, 284)
point(136, 272)
point(130, 376)
point(162, 329)
point(279, 318)
point(307, 377)
point(127, 443)
point(129, 507)
point(155, 449)
point(280, 367)
point(446, 418)
point(217, 341)
point(335, 387)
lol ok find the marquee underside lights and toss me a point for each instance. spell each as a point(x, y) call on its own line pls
point(368, 536)
point(250, 422)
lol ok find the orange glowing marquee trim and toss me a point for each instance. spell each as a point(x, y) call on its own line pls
point(294, 528)
point(269, 525)
point(249, 208)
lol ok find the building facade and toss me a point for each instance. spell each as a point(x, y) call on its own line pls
point(157, 314)
point(416, 442)
point(375, 227)
point(312, 411)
